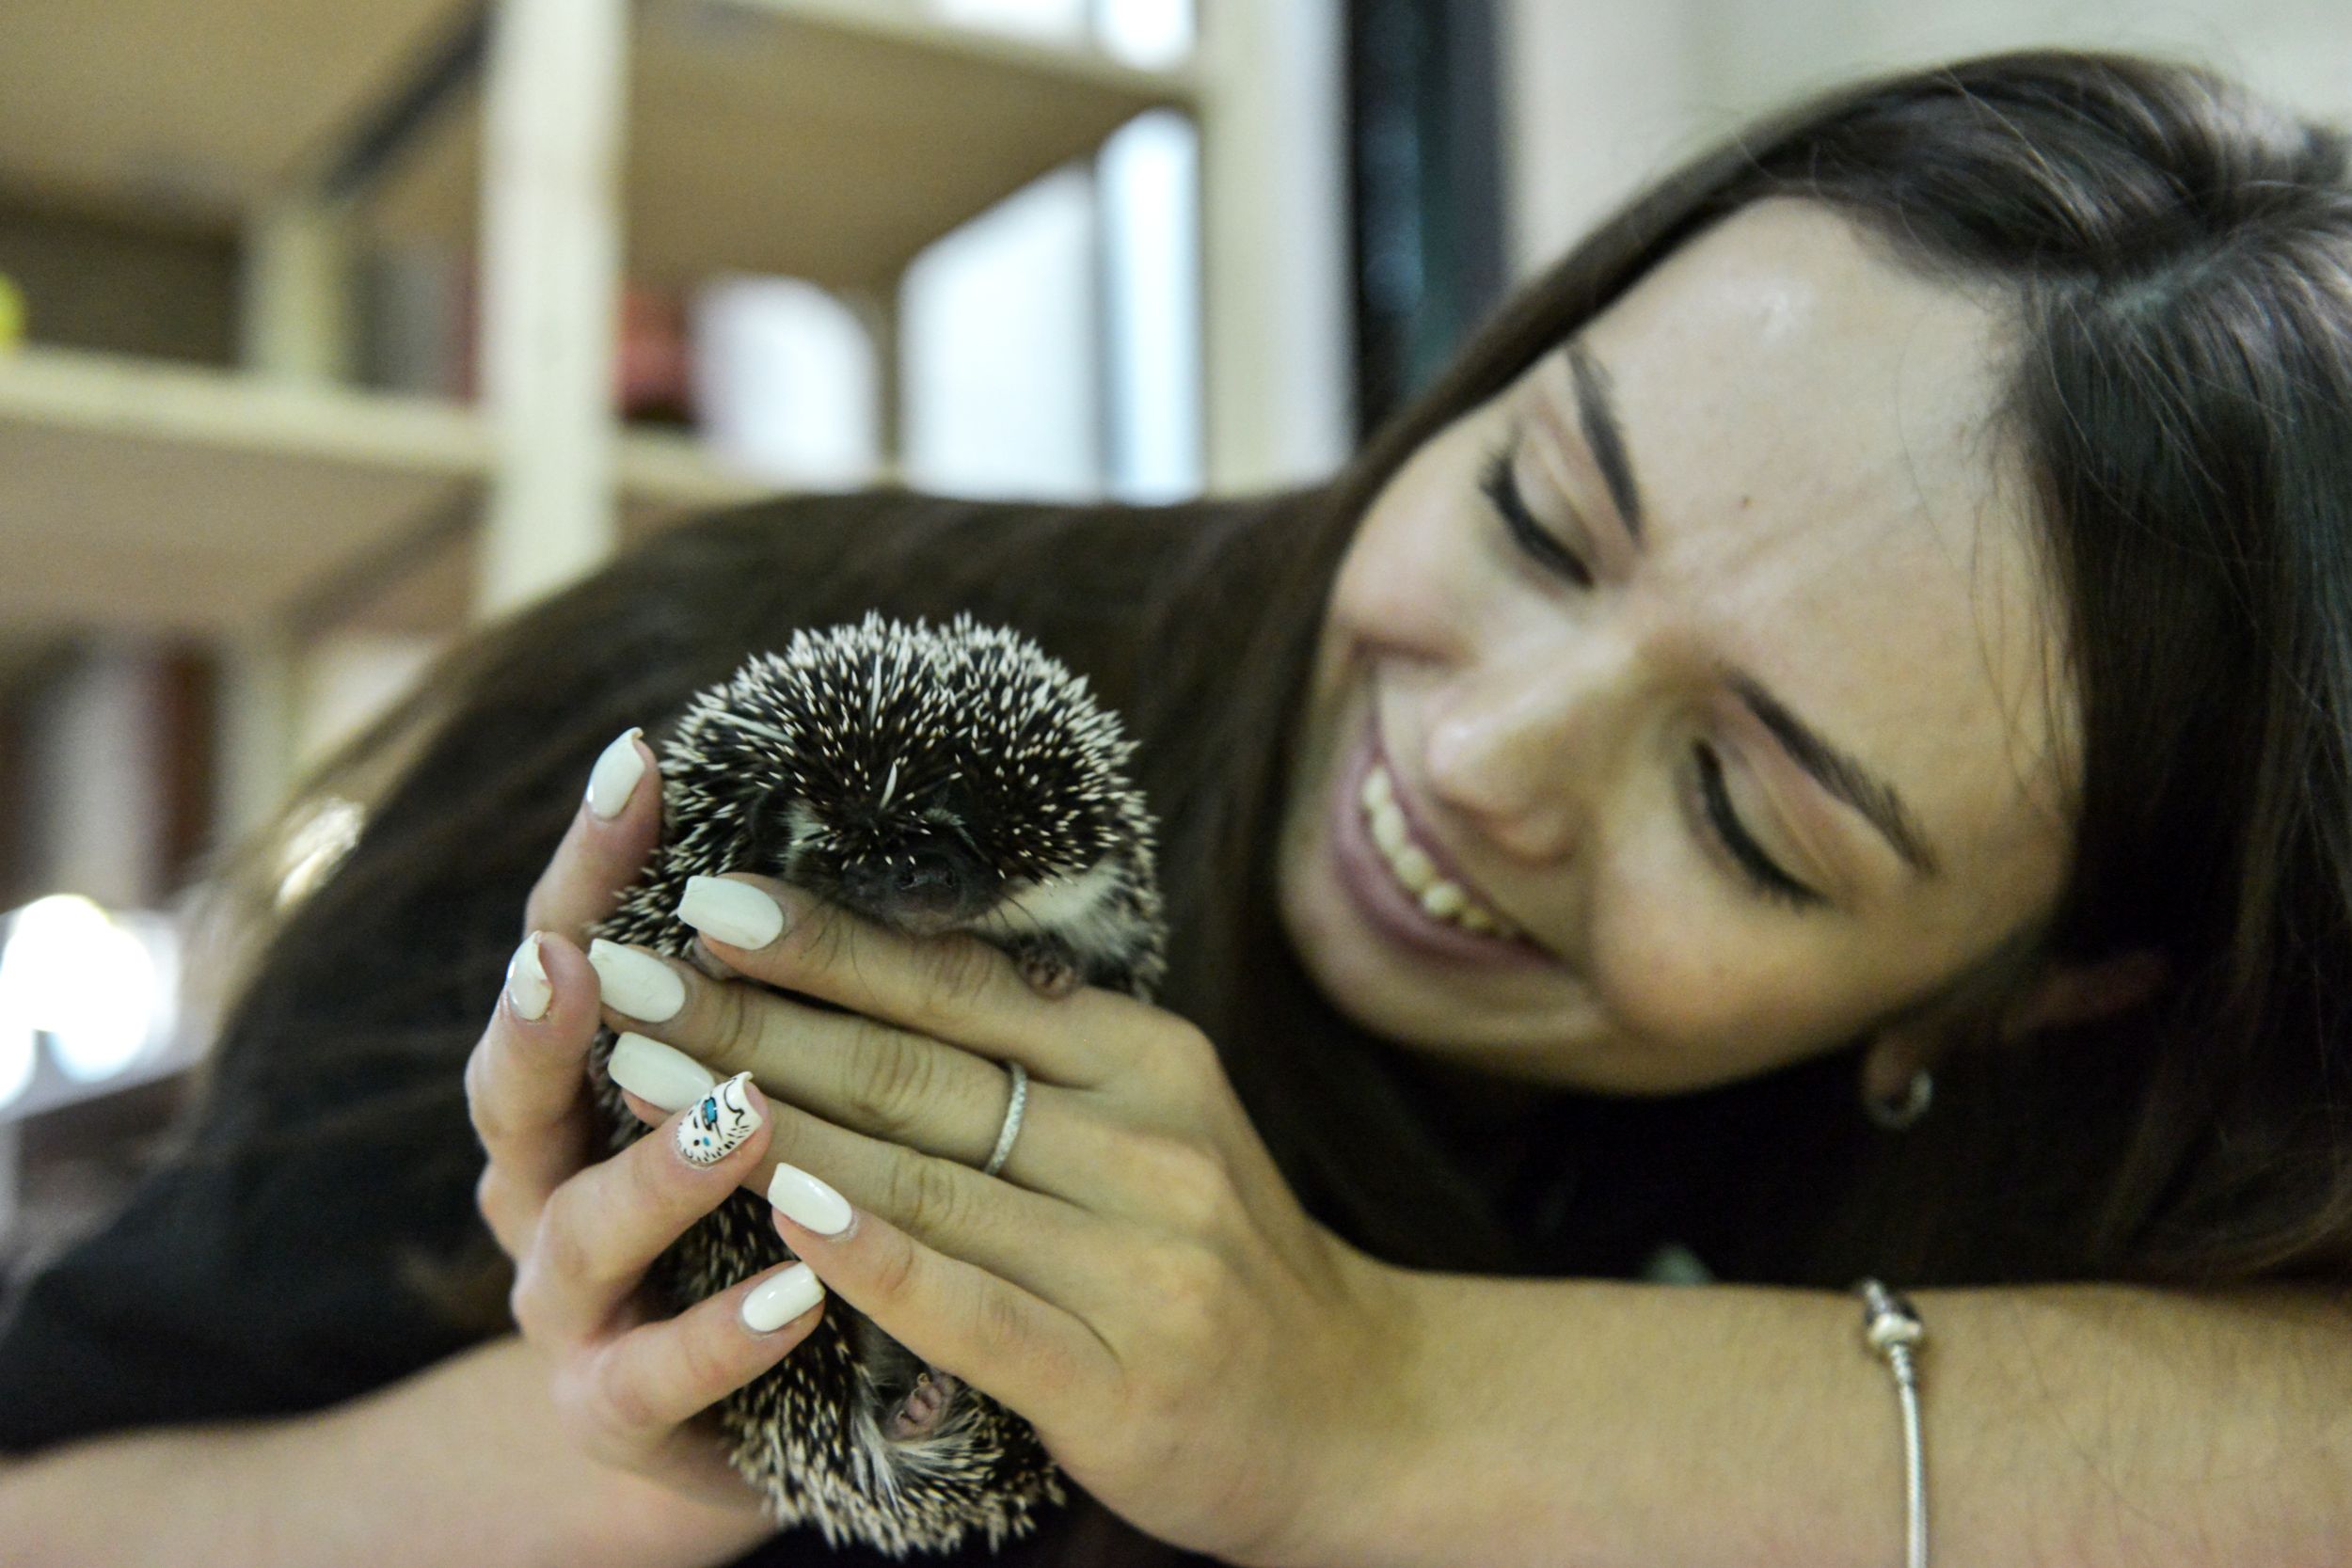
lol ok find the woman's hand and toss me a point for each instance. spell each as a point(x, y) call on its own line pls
point(1138, 1281)
point(581, 1229)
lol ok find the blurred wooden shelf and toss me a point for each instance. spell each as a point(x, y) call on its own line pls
point(195, 108)
point(829, 140)
point(663, 478)
point(139, 493)
point(664, 475)
point(143, 494)
point(826, 139)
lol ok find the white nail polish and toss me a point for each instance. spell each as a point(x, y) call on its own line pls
point(773, 1303)
point(807, 1201)
point(526, 988)
point(616, 775)
point(636, 983)
point(735, 912)
point(664, 1074)
point(717, 1127)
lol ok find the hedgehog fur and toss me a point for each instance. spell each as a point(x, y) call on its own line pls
point(930, 779)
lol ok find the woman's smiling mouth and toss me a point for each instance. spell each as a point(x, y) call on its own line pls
point(1404, 886)
point(1441, 897)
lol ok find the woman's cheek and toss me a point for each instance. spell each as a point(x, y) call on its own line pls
point(1402, 584)
point(1685, 973)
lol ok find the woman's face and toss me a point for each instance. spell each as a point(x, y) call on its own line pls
point(1748, 730)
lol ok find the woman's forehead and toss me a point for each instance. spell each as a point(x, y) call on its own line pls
point(1788, 332)
point(1829, 503)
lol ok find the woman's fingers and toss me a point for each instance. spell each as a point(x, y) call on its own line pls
point(526, 1084)
point(600, 1230)
point(658, 1375)
point(618, 823)
point(1045, 1244)
point(951, 986)
point(876, 1078)
point(1031, 1352)
point(526, 1080)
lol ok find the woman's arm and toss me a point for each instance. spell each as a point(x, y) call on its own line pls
point(1602, 1424)
point(1224, 1375)
point(465, 1462)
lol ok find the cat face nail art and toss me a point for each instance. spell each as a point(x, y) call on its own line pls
point(718, 1126)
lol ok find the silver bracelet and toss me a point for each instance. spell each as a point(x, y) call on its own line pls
point(1892, 1331)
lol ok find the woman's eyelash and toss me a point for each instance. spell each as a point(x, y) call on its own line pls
point(1502, 488)
point(1767, 879)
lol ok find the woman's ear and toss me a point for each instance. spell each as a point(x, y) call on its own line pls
point(2079, 994)
point(2065, 993)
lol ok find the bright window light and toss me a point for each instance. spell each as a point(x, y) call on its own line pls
point(71, 972)
point(1001, 395)
point(1060, 20)
point(1147, 33)
point(1150, 171)
point(785, 383)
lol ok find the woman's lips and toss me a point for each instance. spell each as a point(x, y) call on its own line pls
point(1371, 883)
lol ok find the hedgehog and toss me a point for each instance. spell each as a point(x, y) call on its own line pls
point(929, 779)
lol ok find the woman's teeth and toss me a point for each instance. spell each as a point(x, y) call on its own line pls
point(1439, 899)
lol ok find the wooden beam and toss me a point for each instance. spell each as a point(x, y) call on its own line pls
point(550, 260)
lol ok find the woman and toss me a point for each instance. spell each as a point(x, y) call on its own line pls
point(1871, 610)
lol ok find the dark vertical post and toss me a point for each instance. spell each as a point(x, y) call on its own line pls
point(1424, 143)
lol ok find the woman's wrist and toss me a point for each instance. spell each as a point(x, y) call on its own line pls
point(1370, 1470)
point(1536, 1421)
point(1604, 1423)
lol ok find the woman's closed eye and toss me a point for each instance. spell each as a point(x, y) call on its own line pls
point(1755, 867)
point(1501, 487)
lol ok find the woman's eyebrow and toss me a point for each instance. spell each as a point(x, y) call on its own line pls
point(1596, 410)
point(1838, 772)
point(1833, 768)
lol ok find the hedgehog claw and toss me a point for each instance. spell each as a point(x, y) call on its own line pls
point(1048, 974)
point(919, 1412)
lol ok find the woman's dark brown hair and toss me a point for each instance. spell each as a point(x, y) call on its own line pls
point(2179, 256)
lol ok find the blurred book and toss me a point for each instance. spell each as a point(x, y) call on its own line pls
point(652, 373)
point(424, 326)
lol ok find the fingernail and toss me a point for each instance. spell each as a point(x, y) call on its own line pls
point(735, 912)
point(652, 1070)
point(636, 983)
point(616, 775)
point(526, 988)
point(717, 1127)
point(773, 1303)
point(806, 1202)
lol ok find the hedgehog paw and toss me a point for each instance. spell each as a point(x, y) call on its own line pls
point(1050, 974)
point(917, 1415)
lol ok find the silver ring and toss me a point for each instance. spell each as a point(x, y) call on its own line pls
point(1012, 1120)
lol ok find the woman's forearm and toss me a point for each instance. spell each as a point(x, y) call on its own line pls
point(462, 1463)
point(1602, 1424)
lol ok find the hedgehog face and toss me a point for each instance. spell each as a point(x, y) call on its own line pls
point(922, 777)
point(914, 863)
point(943, 844)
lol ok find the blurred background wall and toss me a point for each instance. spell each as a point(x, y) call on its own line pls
point(1602, 97)
point(267, 438)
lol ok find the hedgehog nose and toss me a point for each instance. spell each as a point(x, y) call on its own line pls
point(920, 888)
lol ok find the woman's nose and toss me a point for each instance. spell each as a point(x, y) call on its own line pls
point(1523, 753)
